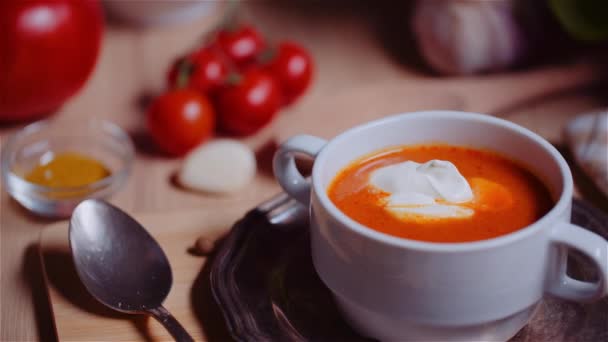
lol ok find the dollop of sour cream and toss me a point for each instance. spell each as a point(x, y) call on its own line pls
point(434, 189)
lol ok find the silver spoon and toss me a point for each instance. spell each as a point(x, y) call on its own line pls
point(120, 264)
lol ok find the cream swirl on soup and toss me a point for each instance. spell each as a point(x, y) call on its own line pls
point(434, 189)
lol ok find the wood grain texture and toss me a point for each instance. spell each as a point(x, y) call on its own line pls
point(357, 79)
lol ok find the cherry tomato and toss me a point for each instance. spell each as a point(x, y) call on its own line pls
point(245, 107)
point(292, 67)
point(180, 120)
point(204, 70)
point(48, 50)
point(242, 45)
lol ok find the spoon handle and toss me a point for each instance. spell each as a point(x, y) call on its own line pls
point(171, 324)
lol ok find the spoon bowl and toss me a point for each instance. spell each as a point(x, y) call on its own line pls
point(120, 263)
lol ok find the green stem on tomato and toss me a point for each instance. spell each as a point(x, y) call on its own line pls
point(230, 18)
point(184, 70)
point(266, 56)
point(234, 78)
point(228, 22)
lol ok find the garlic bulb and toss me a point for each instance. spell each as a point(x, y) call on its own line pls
point(465, 37)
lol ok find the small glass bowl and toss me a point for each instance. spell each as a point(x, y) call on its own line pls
point(95, 138)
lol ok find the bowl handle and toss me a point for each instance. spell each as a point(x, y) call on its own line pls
point(284, 165)
point(569, 236)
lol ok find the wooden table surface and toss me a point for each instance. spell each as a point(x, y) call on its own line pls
point(357, 78)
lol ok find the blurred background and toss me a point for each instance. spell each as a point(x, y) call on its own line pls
point(539, 63)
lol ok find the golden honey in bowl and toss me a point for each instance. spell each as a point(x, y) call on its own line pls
point(440, 193)
point(67, 169)
point(68, 172)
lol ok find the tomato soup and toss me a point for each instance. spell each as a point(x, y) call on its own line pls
point(507, 196)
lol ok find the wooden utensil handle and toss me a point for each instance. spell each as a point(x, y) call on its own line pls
point(171, 324)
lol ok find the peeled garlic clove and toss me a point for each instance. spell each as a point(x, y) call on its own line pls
point(219, 166)
point(465, 37)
